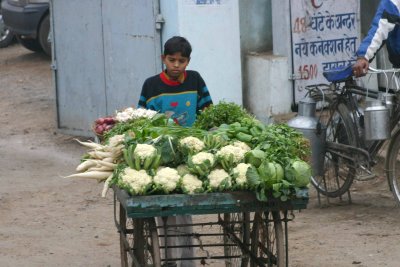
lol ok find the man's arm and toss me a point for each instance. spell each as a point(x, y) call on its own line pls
point(382, 24)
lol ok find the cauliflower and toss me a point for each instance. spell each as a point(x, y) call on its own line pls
point(144, 151)
point(239, 174)
point(142, 156)
point(202, 157)
point(201, 163)
point(191, 144)
point(166, 179)
point(133, 114)
point(242, 145)
point(137, 181)
point(190, 184)
point(219, 180)
point(230, 156)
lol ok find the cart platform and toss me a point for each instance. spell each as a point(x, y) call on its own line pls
point(207, 203)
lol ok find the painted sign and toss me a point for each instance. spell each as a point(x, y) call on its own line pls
point(205, 2)
point(325, 36)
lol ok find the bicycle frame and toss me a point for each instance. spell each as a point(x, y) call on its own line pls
point(349, 91)
point(348, 155)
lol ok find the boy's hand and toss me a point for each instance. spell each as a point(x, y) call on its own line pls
point(360, 68)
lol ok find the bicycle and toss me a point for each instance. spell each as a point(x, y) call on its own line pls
point(348, 155)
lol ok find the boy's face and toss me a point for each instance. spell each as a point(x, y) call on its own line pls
point(175, 64)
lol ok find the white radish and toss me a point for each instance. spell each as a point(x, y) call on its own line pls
point(86, 165)
point(110, 160)
point(99, 175)
point(100, 168)
point(106, 186)
point(100, 154)
point(107, 164)
point(90, 144)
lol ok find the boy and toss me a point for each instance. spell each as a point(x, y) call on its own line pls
point(180, 94)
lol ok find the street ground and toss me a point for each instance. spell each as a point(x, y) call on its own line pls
point(46, 220)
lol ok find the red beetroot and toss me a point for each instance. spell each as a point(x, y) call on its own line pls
point(99, 129)
point(109, 120)
point(100, 121)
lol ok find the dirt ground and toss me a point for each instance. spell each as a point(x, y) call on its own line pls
point(46, 220)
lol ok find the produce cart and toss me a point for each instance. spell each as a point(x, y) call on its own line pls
point(246, 232)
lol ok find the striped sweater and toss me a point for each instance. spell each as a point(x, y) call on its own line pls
point(178, 100)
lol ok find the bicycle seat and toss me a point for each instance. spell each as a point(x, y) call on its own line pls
point(339, 74)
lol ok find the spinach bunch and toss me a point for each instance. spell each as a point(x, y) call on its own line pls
point(221, 113)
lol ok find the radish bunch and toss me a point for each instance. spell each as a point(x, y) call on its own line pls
point(103, 125)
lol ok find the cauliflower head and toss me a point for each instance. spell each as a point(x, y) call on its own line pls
point(219, 180)
point(192, 144)
point(132, 114)
point(202, 157)
point(166, 179)
point(242, 145)
point(201, 163)
point(144, 151)
point(138, 181)
point(190, 184)
point(229, 156)
point(239, 174)
point(236, 151)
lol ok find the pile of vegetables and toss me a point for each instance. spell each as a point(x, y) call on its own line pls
point(226, 150)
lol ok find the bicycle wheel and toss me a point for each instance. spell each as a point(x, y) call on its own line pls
point(139, 245)
point(238, 224)
point(393, 166)
point(339, 172)
point(267, 240)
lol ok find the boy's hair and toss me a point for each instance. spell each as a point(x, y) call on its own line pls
point(177, 44)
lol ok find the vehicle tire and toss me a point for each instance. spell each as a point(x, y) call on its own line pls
point(30, 44)
point(268, 240)
point(239, 225)
point(6, 35)
point(339, 172)
point(393, 166)
point(43, 35)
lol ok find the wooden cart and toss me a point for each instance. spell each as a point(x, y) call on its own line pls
point(245, 232)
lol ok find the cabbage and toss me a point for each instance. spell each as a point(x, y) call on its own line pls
point(298, 172)
point(270, 173)
point(255, 157)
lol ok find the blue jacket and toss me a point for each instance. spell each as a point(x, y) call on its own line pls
point(384, 28)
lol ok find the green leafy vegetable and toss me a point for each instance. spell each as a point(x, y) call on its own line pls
point(221, 113)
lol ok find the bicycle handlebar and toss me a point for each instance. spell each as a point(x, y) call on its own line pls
point(378, 71)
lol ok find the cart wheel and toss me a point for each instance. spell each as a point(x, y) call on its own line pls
point(139, 244)
point(268, 243)
point(238, 224)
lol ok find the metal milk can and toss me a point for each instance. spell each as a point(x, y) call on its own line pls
point(307, 123)
point(376, 119)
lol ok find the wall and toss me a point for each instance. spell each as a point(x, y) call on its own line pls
point(213, 30)
point(255, 37)
point(255, 26)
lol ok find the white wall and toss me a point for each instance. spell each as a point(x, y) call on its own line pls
point(213, 31)
point(268, 85)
